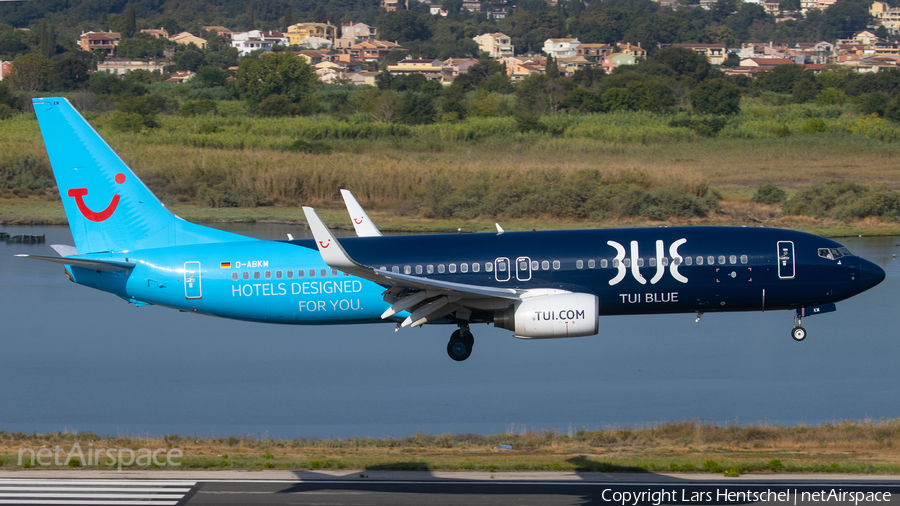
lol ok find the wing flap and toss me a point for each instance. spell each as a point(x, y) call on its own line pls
point(426, 299)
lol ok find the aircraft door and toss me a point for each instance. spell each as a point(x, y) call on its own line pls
point(786, 265)
point(523, 268)
point(501, 269)
point(192, 281)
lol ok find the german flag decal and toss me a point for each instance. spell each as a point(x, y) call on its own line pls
point(226, 265)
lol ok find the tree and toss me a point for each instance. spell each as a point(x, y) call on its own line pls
point(288, 17)
point(68, 73)
point(781, 79)
point(130, 27)
point(551, 69)
point(275, 74)
point(716, 96)
point(683, 61)
point(30, 73)
point(404, 26)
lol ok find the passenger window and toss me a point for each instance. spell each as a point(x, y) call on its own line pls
point(699, 260)
point(556, 265)
point(334, 272)
point(676, 261)
point(523, 265)
point(687, 261)
point(535, 265)
point(234, 276)
point(301, 273)
point(312, 273)
point(721, 259)
point(476, 267)
point(246, 275)
point(407, 269)
point(395, 269)
point(710, 260)
point(429, 269)
point(626, 262)
point(665, 261)
point(440, 268)
point(278, 274)
point(255, 274)
point(383, 268)
point(591, 264)
point(545, 265)
point(640, 262)
point(451, 268)
point(604, 263)
point(488, 267)
point(579, 264)
point(268, 274)
point(346, 274)
point(743, 259)
point(463, 268)
point(615, 263)
point(324, 273)
point(418, 269)
point(732, 259)
point(290, 274)
point(652, 261)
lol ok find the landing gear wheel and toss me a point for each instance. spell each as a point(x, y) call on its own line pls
point(798, 333)
point(460, 346)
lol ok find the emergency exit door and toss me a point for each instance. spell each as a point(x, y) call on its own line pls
point(192, 281)
point(786, 265)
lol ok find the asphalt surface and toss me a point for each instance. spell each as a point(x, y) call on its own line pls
point(349, 488)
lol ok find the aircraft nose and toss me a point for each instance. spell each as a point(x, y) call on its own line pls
point(870, 274)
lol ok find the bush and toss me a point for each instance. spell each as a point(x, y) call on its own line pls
point(204, 106)
point(775, 465)
point(707, 127)
point(813, 126)
point(277, 105)
point(712, 466)
point(769, 194)
point(313, 148)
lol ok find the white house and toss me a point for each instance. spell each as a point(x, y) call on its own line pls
point(561, 48)
point(247, 42)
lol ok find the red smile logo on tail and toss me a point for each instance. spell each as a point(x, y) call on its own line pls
point(79, 193)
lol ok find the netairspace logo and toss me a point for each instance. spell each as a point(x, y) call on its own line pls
point(110, 457)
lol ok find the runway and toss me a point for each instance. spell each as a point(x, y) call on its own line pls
point(378, 488)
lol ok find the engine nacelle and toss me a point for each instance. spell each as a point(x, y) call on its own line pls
point(551, 315)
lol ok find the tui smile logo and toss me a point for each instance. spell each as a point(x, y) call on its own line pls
point(358, 221)
point(79, 193)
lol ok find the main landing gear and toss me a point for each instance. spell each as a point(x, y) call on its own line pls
point(798, 333)
point(460, 346)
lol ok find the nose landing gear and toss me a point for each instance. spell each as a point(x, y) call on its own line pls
point(460, 346)
point(798, 333)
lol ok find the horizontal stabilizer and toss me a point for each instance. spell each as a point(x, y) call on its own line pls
point(86, 263)
point(64, 250)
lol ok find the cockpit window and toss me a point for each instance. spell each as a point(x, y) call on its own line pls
point(834, 253)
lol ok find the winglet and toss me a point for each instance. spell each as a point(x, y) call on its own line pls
point(331, 250)
point(361, 221)
point(499, 229)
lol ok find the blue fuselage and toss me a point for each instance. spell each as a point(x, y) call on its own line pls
point(631, 271)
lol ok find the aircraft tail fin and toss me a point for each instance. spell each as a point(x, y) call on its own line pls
point(108, 207)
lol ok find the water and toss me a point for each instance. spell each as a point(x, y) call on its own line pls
point(74, 358)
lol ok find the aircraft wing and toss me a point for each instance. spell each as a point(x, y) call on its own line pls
point(426, 299)
point(361, 222)
point(87, 263)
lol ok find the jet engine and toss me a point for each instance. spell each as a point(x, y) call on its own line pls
point(552, 314)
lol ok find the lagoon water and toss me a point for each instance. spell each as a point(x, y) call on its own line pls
point(73, 358)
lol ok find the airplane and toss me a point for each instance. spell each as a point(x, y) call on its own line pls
point(537, 284)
